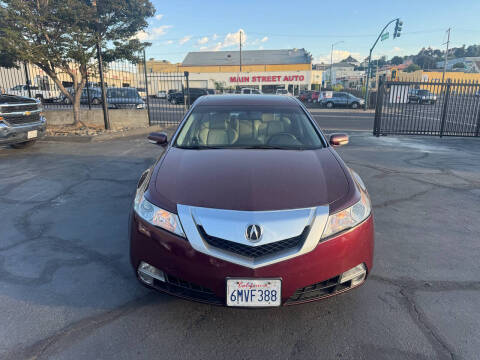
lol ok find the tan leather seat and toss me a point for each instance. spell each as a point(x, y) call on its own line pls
point(270, 126)
point(216, 132)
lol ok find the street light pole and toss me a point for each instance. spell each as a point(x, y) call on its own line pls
point(331, 62)
point(370, 58)
point(240, 50)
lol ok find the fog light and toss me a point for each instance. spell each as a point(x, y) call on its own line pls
point(147, 273)
point(356, 275)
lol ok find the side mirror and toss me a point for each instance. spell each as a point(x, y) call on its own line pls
point(158, 138)
point(338, 139)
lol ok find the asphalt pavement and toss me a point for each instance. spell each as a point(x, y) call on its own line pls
point(67, 290)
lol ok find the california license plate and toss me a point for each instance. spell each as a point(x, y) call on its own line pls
point(32, 134)
point(254, 292)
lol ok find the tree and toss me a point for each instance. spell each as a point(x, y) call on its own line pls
point(412, 68)
point(396, 60)
point(459, 65)
point(60, 36)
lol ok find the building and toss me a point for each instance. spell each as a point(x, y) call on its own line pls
point(471, 64)
point(266, 70)
point(343, 73)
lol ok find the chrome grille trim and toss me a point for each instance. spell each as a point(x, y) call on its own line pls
point(279, 225)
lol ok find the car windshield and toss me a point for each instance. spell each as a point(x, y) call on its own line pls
point(253, 127)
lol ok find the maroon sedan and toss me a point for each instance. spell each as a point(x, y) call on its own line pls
point(250, 205)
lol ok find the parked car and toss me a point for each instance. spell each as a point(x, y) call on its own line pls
point(124, 97)
point(35, 92)
point(213, 222)
point(421, 96)
point(179, 98)
point(314, 96)
point(21, 121)
point(282, 92)
point(161, 94)
point(304, 95)
point(341, 99)
point(250, 91)
point(94, 92)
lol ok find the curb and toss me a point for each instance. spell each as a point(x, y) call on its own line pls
point(109, 136)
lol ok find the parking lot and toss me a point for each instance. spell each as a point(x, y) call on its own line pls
point(67, 290)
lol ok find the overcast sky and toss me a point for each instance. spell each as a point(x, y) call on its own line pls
point(183, 26)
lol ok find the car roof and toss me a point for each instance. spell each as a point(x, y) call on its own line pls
point(245, 99)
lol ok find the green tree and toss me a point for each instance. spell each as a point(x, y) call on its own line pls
point(396, 60)
point(412, 68)
point(60, 36)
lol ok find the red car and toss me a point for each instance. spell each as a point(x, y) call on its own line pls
point(250, 205)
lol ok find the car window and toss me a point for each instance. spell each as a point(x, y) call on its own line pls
point(246, 91)
point(248, 127)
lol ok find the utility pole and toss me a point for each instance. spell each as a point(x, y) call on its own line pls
point(240, 50)
point(446, 55)
point(331, 62)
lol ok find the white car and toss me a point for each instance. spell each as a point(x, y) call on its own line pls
point(162, 94)
point(250, 91)
point(35, 92)
point(283, 92)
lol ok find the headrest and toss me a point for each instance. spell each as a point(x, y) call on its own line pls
point(267, 117)
point(219, 121)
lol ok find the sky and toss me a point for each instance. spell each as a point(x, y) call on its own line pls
point(181, 26)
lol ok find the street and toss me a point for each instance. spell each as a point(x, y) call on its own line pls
point(67, 290)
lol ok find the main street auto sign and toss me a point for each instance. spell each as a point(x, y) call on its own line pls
point(267, 79)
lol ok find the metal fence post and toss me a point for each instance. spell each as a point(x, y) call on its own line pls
point(146, 87)
point(477, 130)
point(378, 109)
point(27, 79)
point(188, 88)
point(445, 109)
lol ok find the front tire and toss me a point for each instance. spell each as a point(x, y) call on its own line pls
point(355, 105)
point(96, 101)
point(329, 105)
point(23, 145)
point(174, 101)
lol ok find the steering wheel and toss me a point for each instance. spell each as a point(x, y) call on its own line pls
point(283, 139)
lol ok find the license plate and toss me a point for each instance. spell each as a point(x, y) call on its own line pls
point(254, 292)
point(32, 134)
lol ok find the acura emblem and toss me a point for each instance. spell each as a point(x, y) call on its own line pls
point(253, 233)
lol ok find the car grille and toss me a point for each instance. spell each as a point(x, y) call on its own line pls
point(18, 108)
point(255, 251)
point(186, 289)
point(318, 290)
point(22, 119)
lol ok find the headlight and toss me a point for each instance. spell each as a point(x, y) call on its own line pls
point(140, 106)
point(153, 214)
point(350, 217)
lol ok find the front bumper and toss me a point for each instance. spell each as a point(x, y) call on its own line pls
point(18, 134)
point(197, 276)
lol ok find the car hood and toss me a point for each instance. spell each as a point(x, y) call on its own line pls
point(246, 179)
point(14, 99)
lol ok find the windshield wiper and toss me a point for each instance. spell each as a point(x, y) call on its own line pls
point(199, 147)
point(274, 147)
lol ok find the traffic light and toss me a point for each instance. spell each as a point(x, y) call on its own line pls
point(398, 28)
